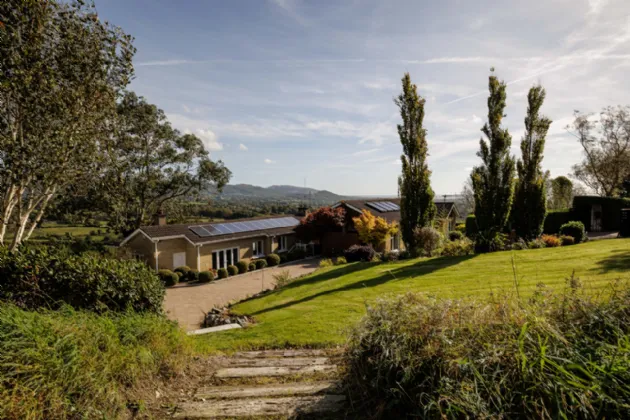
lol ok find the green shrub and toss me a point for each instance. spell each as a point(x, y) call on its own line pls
point(471, 226)
point(404, 255)
point(168, 277)
point(389, 256)
point(520, 245)
point(296, 254)
point(359, 253)
point(574, 229)
point(260, 263)
point(282, 279)
point(326, 262)
point(232, 270)
point(179, 274)
point(565, 356)
point(222, 273)
point(251, 266)
point(429, 240)
point(458, 248)
point(455, 235)
point(341, 260)
point(284, 258)
point(567, 240)
point(242, 266)
point(192, 275)
point(183, 270)
point(46, 277)
point(537, 244)
point(461, 228)
point(273, 260)
point(69, 364)
point(554, 220)
point(206, 276)
point(551, 241)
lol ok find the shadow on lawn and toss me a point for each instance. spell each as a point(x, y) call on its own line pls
point(420, 268)
point(618, 261)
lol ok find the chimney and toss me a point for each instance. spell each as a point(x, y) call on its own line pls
point(159, 218)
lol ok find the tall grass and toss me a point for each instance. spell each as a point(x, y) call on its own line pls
point(557, 355)
point(77, 364)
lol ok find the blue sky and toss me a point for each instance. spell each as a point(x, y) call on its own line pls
point(283, 90)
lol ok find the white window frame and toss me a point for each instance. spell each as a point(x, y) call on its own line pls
point(258, 253)
point(225, 260)
point(282, 243)
point(394, 242)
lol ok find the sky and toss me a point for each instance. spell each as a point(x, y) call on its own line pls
point(288, 92)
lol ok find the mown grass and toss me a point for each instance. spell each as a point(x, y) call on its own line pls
point(318, 311)
point(76, 364)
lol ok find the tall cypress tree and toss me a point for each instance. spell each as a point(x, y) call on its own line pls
point(493, 180)
point(530, 198)
point(417, 208)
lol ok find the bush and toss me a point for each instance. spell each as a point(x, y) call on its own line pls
point(404, 255)
point(455, 235)
point(458, 248)
point(554, 220)
point(326, 262)
point(183, 271)
point(390, 256)
point(168, 277)
point(461, 228)
point(567, 240)
point(341, 261)
point(429, 240)
point(296, 254)
point(273, 260)
point(564, 356)
point(232, 270)
point(206, 276)
point(284, 258)
point(192, 275)
point(282, 279)
point(537, 244)
point(471, 226)
point(261, 264)
point(519, 245)
point(46, 277)
point(251, 266)
point(242, 266)
point(69, 364)
point(551, 241)
point(574, 229)
point(359, 253)
point(222, 273)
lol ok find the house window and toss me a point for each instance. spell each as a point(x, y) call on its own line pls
point(394, 242)
point(257, 249)
point(224, 257)
point(282, 243)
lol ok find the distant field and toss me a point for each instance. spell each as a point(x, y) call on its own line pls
point(317, 310)
point(53, 228)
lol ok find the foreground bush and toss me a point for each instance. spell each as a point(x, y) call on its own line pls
point(359, 253)
point(429, 240)
point(562, 356)
point(41, 277)
point(76, 364)
point(168, 277)
point(574, 229)
point(273, 260)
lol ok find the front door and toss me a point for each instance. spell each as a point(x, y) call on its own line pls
point(179, 259)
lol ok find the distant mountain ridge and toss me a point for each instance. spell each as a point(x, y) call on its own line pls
point(276, 192)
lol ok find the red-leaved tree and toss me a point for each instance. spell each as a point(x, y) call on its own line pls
point(317, 223)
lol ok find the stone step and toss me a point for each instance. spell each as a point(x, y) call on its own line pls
point(280, 353)
point(276, 390)
point(290, 361)
point(250, 372)
point(283, 406)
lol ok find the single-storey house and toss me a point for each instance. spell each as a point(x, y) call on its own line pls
point(210, 246)
point(388, 209)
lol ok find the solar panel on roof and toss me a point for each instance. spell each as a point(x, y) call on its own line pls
point(383, 206)
point(200, 231)
point(217, 229)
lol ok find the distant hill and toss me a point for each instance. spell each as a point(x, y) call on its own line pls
point(276, 192)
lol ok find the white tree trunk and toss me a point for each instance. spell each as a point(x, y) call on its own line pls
point(40, 214)
point(8, 204)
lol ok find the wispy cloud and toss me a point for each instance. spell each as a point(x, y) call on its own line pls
point(269, 161)
point(365, 152)
point(242, 147)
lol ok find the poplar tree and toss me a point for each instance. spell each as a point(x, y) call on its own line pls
point(493, 180)
point(417, 208)
point(530, 203)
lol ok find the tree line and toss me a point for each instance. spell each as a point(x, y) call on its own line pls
point(502, 190)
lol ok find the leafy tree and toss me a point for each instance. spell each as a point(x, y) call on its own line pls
point(468, 198)
point(372, 229)
point(61, 70)
point(417, 208)
point(606, 163)
point(493, 181)
point(530, 201)
point(561, 193)
point(319, 222)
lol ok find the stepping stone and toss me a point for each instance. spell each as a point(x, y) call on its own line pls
point(251, 372)
point(280, 353)
point(284, 406)
point(292, 361)
point(277, 390)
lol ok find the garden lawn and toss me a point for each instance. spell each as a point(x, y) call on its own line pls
point(317, 310)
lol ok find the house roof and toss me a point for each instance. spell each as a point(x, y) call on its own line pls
point(182, 231)
point(443, 207)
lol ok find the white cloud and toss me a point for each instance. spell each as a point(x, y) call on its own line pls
point(477, 23)
point(269, 161)
point(209, 139)
point(242, 147)
point(365, 152)
point(201, 128)
point(476, 119)
point(596, 6)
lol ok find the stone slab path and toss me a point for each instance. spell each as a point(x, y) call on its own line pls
point(277, 384)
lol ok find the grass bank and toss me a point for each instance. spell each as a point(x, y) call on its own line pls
point(318, 310)
point(76, 364)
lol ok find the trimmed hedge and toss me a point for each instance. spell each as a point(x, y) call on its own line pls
point(169, 278)
point(611, 211)
point(232, 270)
point(359, 253)
point(273, 260)
point(251, 266)
point(555, 219)
point(222, 273)
point(471, 226)
point(261, 264)
point(206, 276)
point(242, 266)
point(574, 229)
point(192, 275)
point(46, 277)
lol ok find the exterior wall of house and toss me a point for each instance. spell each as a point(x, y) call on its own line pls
point(142, 248)
point(166, 250)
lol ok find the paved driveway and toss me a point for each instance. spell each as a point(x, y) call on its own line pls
point(187, 303)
